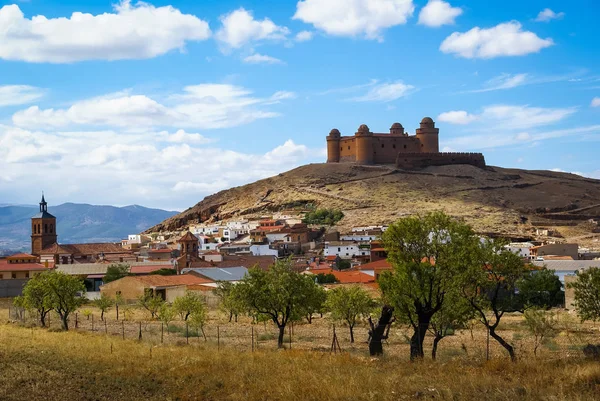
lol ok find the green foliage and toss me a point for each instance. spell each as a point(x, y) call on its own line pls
point(328, 217)
point(190, 304)
point(165, 272)
point(116, 271)
point(540, 288)
point(343, 264)
point(315, 301)
point(542, 324)
point(587, 294)
point(427, 254)
point(229, 303)
point(36, 297)
point(166, 314)
point(279, 293)
point(65, 294)
point(349, 304)
point(152, 302)
point(103, 303)
point(328, 278)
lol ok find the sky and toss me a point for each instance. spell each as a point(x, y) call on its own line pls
point(161, 103)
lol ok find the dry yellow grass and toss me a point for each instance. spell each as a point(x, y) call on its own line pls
point(37, 364)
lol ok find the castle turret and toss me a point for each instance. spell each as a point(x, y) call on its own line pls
point(333, 146)
point(429, 136)
point(397, 129)
point(364, 145)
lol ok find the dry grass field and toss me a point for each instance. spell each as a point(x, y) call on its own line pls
point(80, 364)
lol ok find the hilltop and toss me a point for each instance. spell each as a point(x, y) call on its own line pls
point(77, 223)
point(494, 200)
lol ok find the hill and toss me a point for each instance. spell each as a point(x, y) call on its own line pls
point(494, 200)
point(77, 223)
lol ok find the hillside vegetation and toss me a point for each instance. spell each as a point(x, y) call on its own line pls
point(496, 200)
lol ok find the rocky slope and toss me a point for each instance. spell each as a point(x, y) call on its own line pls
point(509, 202)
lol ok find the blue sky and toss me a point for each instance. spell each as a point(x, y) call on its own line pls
point(164, 102)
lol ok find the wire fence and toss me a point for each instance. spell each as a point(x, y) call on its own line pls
point(325, 336)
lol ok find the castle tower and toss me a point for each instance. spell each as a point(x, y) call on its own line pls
point(364, 145)
point(43, 229)
point(333, 146)
point(429, 136)
point(397, 129)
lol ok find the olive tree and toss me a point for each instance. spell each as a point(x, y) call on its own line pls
point(65, 294)
point(315, 302)
point(586, 293)
point(455, 313)
point(103, 303)
point(489, 286)
point(36, 296)
point(190, 304)
point(426, 253)
point(229, 304)
point(151, 301)
point(349, 304)
point(279, 293)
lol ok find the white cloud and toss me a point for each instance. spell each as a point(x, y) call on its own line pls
point(169, 174)
point(368, 18)
point(456, 117)
point(11, 95)
point(258, 58)
point(507, 39)
point(509, 116)
point(180, 136)
point(385, 92)
point(304, 36)
point(504, 81)
point(595, 102)
point(547, 15)
point(437, 13)
point(239, 28)
point(130, 32)
point(203, 106)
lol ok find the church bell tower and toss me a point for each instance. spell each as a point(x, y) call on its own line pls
point(43, 229)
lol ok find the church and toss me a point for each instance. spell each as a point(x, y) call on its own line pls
point(45, 246)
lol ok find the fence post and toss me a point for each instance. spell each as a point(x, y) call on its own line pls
point(487, 349)
point(111, 348)
point(290, 333)
point(187, 337)
point(218, 339)
point(140, 335)
point(162, 331)
point(92, 322)
point(123, 328)
point(76, 321)
point(105, 327)
point(252, 338)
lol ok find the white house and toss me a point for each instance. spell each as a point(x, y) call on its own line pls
point(263, 250)
point(520, 248)
point(359, 237)
point(346, 249)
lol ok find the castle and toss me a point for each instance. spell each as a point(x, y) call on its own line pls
point(397, 147)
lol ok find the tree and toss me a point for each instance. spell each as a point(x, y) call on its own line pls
point(427, 253)
point(189, 304)
point(278, 293)
point(455, 313)
point(328, 278)
point(540, 288)
point(118, 302)
point(542, 324)
point(586, 293)
point(104, 303)
point(489, 285)
point(327, 217)
point(197, 319)
point(165, 271)
point(229, 303)
point(315, 302)
point(166, 314)
point(349, 304)
point(36, 297)
point(151, 301)
point(65, 294)
point(116, 271)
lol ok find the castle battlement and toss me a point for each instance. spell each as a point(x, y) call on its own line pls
point(397, 147)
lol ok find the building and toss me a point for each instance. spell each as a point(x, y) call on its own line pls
point(43, 229)
point(131, 288)
point(347, 249)
point(540, 251)
point(231, 274)
point(397, 147)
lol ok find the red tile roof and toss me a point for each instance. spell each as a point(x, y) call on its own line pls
point(83, 249)
point(188, 237)
point(346, 276)
point(169, 281)
point(21, 256)
point(377, 265)
point(18, 267)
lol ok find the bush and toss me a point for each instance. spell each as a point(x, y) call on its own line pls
point(327, 217)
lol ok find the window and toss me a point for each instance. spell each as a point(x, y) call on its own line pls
point(14, 275)
point(382, 145)
point(45, 228)
point(348, 147)
point(339, 249)
point(51, 228)
point(404, 146)
point(26, 274)
point(394, 146)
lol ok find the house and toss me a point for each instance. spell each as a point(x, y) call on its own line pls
point(540, 251)
point(520, 248)
point(15, 271)
point(131, 288)
point(375, 268)
point(564, 268)
point(160, 254)
point(346, 249)
point(378, 252)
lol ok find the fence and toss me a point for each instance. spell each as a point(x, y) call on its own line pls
point(324, 336)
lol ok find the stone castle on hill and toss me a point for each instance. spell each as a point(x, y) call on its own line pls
point(397, 147)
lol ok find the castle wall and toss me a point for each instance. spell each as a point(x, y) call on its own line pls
point(348, 149)
point(386, 147)
point(421, 160)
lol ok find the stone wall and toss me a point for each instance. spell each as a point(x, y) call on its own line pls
point(421, 160)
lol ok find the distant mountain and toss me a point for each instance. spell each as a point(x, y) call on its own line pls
point(78, 223)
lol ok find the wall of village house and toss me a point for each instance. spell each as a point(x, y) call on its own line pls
point(16, 275)
point(129, 288)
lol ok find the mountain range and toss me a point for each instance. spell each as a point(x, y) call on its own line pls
point(77, 223)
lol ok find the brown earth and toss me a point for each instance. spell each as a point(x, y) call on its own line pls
point(495, 200)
